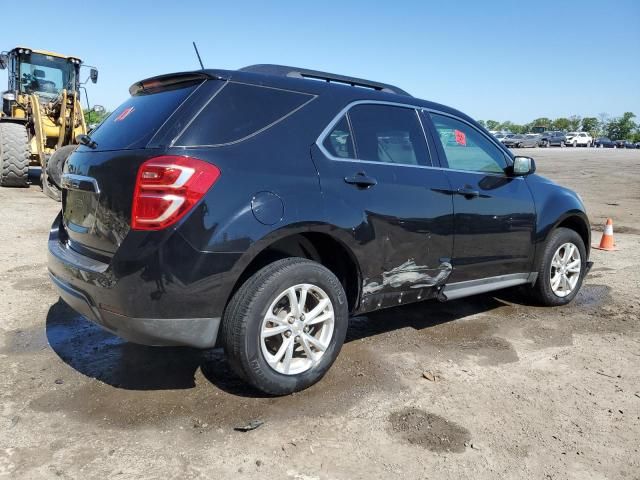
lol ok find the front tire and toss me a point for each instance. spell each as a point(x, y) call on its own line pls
point(561, 268)
point(285, 326)
point(14, 155)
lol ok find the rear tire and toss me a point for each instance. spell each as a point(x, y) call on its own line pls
point(249, 315)
point(14, 155)
point(547, 268)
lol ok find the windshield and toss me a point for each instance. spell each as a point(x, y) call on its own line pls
point(46, 75)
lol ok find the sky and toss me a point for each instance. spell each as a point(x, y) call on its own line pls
point(500, 60)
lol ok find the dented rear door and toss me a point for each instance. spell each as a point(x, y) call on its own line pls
point(397, 206)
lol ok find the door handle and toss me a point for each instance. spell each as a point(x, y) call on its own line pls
point(361, 179)
point(468, 192)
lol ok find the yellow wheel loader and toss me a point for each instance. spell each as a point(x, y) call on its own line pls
point(41, 119)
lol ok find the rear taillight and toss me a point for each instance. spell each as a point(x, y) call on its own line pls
point(167, 188)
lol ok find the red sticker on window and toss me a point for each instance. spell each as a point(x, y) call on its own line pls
point(461, 138)
point(124, 114)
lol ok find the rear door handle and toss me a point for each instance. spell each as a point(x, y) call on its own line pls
point(361, 179)
point(467, 192)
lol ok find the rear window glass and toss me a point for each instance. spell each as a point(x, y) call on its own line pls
point(239, 111)
point(135, 122)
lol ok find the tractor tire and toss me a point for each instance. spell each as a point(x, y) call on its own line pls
point(52, 172)
point(14, 155)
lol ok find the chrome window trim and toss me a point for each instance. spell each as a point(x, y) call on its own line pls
point(329, 128)
point(311, 95)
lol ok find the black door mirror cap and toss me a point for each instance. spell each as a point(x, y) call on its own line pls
point(523, 166)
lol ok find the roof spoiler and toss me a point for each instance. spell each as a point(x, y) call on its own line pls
point(295, 72)
point(161, 82)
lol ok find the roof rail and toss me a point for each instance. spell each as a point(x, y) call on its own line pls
point(295, 72)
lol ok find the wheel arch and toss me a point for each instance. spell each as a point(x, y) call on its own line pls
point(317, 244)
point(575, 220)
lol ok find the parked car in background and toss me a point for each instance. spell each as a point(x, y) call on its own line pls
point(579, 139)
point(624, 144)
point(506, 136)
point(256, 207)
point(604, 142)
point(549, 139)
point(521, 141)
point(637, 144)
point(500, 136)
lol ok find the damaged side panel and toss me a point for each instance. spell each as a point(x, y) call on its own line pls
point(405, 283)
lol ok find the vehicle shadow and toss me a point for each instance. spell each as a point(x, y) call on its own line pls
point(98, 354)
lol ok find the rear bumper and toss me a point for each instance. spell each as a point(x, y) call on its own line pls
point(192, 332)
point(165, 294)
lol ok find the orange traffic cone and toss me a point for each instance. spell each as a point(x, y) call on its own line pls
point(607, 237)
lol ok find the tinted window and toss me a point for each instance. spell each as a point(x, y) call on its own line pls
point(135, 122)
point(388, 134)
point(466, 148)
point(238, 111)
point(339, 142)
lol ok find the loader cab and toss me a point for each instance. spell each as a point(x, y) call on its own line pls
point(44, 73)
point(40, 72)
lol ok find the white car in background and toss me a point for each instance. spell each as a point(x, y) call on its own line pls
point(579, 139)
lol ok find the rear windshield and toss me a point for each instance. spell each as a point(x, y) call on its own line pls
point(135, 122)
point(238, 111)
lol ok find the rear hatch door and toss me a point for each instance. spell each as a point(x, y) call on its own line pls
point(98, 183)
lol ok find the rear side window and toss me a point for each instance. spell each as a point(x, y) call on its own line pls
point(466, 148)
point(135, 122)
point(238, 111)
point(339, 142)
point(389, 134)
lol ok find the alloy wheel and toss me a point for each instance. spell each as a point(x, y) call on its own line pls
point(297, 329)
point(566, 266)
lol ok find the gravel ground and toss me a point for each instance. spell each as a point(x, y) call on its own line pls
point(485, 387)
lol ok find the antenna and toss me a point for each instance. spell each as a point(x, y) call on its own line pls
point(198, 54)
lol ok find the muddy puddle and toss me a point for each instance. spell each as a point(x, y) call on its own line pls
point(428, 430)
point(127, 385)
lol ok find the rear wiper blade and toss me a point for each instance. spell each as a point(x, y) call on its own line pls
point(86, 141)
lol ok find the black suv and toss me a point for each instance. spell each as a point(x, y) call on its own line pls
point(260, 208)
point(549, 139)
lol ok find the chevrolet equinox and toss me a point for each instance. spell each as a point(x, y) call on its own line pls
point(258, 209)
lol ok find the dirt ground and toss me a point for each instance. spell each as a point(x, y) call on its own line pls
point(513, 390)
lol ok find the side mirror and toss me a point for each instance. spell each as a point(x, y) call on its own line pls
point(523, 166)
point(98, 109)
point(4, 61)
point(93, 74)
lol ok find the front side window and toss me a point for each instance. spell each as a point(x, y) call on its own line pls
point(388, 134)
point(466, 148)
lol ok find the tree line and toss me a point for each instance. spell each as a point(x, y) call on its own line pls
point(616, 128)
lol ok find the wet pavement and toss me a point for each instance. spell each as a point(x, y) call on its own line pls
point(513, 390)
